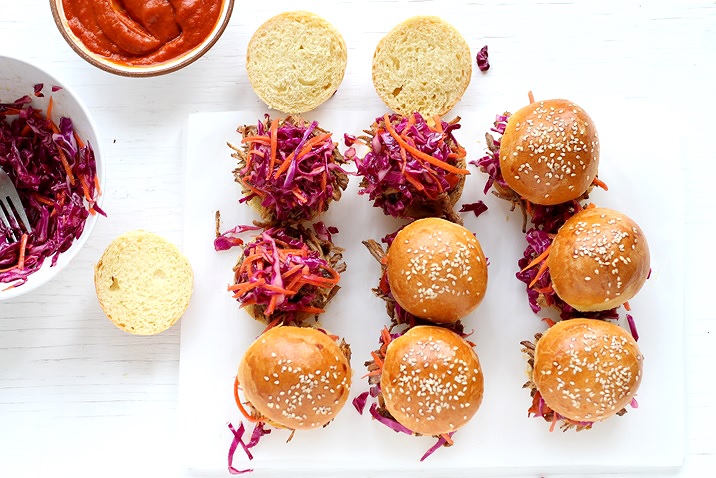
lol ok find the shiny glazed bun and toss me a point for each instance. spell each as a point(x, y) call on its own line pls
point(599, 259)
point(587, 369)
point(549, 152)
point(432, 382)
point(437, 270)
point(296, 377)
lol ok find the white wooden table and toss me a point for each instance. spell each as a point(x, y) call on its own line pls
point(80, 398)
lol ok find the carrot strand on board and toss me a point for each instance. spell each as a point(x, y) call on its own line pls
point(599, 183)
point(243, 411)
point(531, 96)
point(447, 439)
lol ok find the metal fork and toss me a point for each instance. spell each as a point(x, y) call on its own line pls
point(9, 205)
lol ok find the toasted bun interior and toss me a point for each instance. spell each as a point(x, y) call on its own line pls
point(296, 61)
point(587, 369)
point(549, 152)
point(423, 64)
point(599, 260)
point(432, 382)
point(297, 377)
point(437, 270)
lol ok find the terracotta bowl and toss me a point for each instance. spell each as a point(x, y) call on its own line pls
point(174, 64)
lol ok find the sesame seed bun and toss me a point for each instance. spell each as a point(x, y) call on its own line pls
point(549, 152)
point(587, 369)
point(599, 259)
point(296, 377)
point(431, 382)
point(437, 270)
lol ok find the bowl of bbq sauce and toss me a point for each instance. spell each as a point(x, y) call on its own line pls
point(139, 38)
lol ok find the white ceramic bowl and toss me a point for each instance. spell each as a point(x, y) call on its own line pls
point(58, 14)
point(17, 78)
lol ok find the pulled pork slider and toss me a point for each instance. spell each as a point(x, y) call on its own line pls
point(431, 381)
point(295, 377)
point(587, 370)
point(437, 270)
point(549, 152)
point(598, 260)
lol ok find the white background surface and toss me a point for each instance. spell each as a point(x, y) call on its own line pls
point(78, 397)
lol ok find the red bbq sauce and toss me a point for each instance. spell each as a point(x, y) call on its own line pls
point(141, 32)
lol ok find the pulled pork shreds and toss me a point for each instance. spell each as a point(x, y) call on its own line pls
point(287, 274)
point(55, 174)
point(539, 407)
point(482, 59)
point(412, 166)
point(291, 167)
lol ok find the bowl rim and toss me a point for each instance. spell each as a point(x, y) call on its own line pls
point(140, 71)
point(52, 271)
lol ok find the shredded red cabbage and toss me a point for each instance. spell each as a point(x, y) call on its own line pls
point(537, 242)
point(396, 180)
point(285, 271)
point(482, 62)
point(490, 163)
point(476, 207)
point(258, 432)
point(634, 403)
point(56, 178)
point(632, 327)
point(440, 443)
point(360, 401)
point(297, 180)
point(388, 422)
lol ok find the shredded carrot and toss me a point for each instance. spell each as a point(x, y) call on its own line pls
point(377, 359)
point(590, 206)
point(23, 246)
point(419, 154)
point(98, 189)
point(243, 411)
point(416, 184)
point(274, 144)
point(50, 104)
point(280, 290)
point(548, 321)
point(256, 139)
point(530, 96)
point(9, 287)
point(438, 124)
point(66, 165)
point(80, 143)
point(273, 302)
point(447, 439)
point(554, 421)
point(627, 306)
point(305, 149)
point(599, 183)
point(272, 324)
point(544, 290)
point(538, 259)
point(540, 272)
point(310, 310)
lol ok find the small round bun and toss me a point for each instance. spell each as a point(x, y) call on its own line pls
point(422, 65)
point(437, 270)
point(143, 282)
point(587, 369)
point(599, 260)
point(296, 377)
point(432, 382)
point(296, 61)
point(549, 152)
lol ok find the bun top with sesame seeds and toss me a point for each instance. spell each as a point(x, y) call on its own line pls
point(437, 270)
point(431, 382)
point(587, 369)
point(599, 259)
point(549, 152)
point(296, 377)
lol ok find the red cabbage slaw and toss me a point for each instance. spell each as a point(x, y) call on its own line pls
point(410, 163)
point(286, 274)
point(482, 59)
point(55, 173)
point(291, 167)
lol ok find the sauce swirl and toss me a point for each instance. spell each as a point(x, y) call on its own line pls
point(141, 32)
